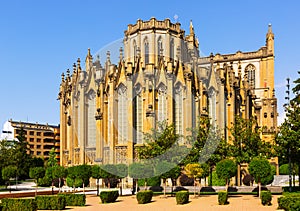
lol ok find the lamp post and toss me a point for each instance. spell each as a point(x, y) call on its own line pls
point(289, 149)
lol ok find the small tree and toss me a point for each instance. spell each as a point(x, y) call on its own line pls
point(121, 172)
point(7, 173)
point(193, 170)
point(226, 169)
point(59, 172)
point(109, 173)
point(72, 173)
point(84, 173)
point(167, 170)
point(259, 168)
point(36, 173)
point(97, 173)
point(52, 161)
point(140, 171)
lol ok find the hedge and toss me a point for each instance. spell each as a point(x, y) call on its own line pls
point(223, 197)
point(182, 197)
point(144, 197)
point(74, 199)
point(288, 203)
point(109, 196)
point(266, 197)
point(17, 204)
point(57, 202)
point(153, 181)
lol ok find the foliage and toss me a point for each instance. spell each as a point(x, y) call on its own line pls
point(288, 202)
point(74, 199)
point(9, 172)
point(259, 168)
point(269, 179)
point(144, 197)
point(84, 173)
point(193, 170)
point(44, 181)
point(57, 202)
point(140, 171)
point(152, 181)
point(246, 141)
point(109, 196)
point(159, 141)
point(121, 170)
point(17, 204)
point(223, 197)
point(216, 181)
point(167, 170)
point(36, 173)
point(226, 169)
point(295, 206)
point(266, 198)
point(52, 161)
point(76, 183)
point(182, 197)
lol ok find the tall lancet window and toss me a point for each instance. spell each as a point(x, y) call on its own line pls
point(212, 106)
point(250, 69)
point(172, 49)
point(146, 48)
point(78, 118)
point(178, 109)
point(138, 114)
point(91, 132)
point(162, 103)
point(159, 48)
point(122, 115)
point(134, 50)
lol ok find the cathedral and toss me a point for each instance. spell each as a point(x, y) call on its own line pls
point(105, 109)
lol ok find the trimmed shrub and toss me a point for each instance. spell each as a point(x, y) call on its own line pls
point(153, 181)
point(74, 199)
point(266, 198)
point(216, 181)
point(182, 197)
point(295, 206)
point(113, 182)
point(44, 182)
point(223, 197)
point(144, 197)
point(109, 196)
point(17, 204)
point(50, 202)
point(78, 182)
point(288, 202)
point(186, 181)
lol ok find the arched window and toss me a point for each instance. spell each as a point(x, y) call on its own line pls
point(250, 70)
point(159, 47)
point(134, 50)
point(122, 115)
point(138, 114)
point(212, 106)
point(172, 49)
point(178, 109)
point(146, 48)
point(91, 136)
point(162, 103)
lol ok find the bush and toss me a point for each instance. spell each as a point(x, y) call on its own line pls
point(284, 169)
point(248, 180)
point(295, 206)
point(288, 202)
point(186, 181)
point(223, 197)
point(109, 196)
point(269, 179)
point(113, 182)
point(74, 199)
point(153, 181)
point(144, 197)
point(216, 181)
point(44, 182)
point(182, 197)
point(78, 182)
point(50, 202)
point(266, 198)
point(17, 204)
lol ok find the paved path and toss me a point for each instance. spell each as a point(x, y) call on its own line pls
point(207, 203)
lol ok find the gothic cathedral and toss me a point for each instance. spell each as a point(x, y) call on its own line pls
point(105, 109)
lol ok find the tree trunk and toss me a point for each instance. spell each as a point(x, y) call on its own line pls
point(36, 187)
point(194, 187)
point(121, 182)
point(83, 185)
point(164, 187)
point(52, 184)
point(226, 185)
point(97, 186)
point(299, 174)
point(210, 175)
point(59, 184)
point(239, 175)
point(259, 188)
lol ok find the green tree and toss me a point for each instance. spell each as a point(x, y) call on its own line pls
point(7, 173)
point(167, 170)
point(226, 169)
point(97, 173)
point(52, 161)
point(84, 173)
point(36, 173)
point(72, 174)
point(259, 168)
point(59, 172)
point(121, 172)
point(109, 173)
point(140, 171)
point(246, 142)
point(194, 170)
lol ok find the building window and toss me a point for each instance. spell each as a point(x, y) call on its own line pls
point(91, 139)
point(159, 48)
point(31, 139)
point(38, 140)
point(172, 49)
point(134, 50)
point(179, 109)
point(38, 146)
point(146, 48)
point(31, 133)
point(38, 133)
point(122, 115)
point(162, 103)
point(250, 70)
point(138, 114)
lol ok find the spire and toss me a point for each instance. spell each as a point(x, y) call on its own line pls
point(121, 54)
point(191, 28)
point(270, 40)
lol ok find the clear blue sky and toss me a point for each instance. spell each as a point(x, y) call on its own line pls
point(41, 39)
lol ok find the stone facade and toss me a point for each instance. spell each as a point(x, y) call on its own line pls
point(106, 108)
